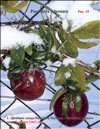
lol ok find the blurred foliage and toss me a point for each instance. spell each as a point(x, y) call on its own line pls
point(13, 6)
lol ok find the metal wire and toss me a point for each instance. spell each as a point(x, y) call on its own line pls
point(48, 87)
point(33, 111)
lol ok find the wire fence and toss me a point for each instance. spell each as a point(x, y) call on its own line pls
point(48, 87)
point(41, 120)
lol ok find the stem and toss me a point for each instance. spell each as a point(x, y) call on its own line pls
point(45, 22)
point(17, 86)
point(62, 45)
point(86, 69)
point(82, 63)
point(24, 15)
point(46, 7)
point(97, 114)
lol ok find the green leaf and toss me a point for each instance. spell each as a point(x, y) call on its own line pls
point(87, 89)
point(69, 27)
point(91, 78)
point(47, 35)
point(67, 48)
point(77, 75)
point(43, 33)
point(71, 86)
point(76, 91)
point(65, 104)
point(82, 45)
point(97, 62)
point(11, 7)
point(72, 83)
point(28, 50)
point(56, 96)
point(21, 125)
point(9, 3)
point(26, 65)
point(13, 69)
point(51, 37)
point(18, 55)
point(55, 41)
point(80, 75)
point(12, 63)
point(60, 77)
point(39, 55)
point(87, 31)
point(78, 102)
point(54, 58)
point(86, 45)
point(13, 76)
point(70, 50)
point(73, 76)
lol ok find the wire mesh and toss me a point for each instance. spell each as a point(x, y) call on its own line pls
point(48, 87)
point(41, 120)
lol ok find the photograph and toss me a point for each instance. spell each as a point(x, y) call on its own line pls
point(50, 64)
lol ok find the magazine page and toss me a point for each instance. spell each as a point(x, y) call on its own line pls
point(50, 64)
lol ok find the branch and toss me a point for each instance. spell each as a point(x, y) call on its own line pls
point(86, 69)
point(97, 114)
point(95, 72)
point(62, 45)
point(44, 22)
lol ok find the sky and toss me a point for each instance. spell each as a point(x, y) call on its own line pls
point(42, 107)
